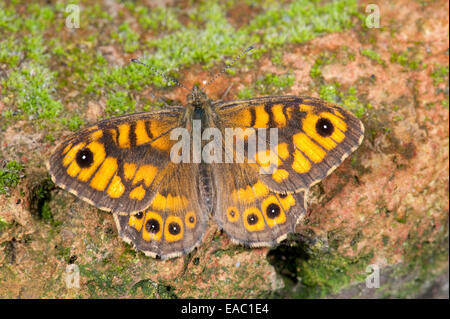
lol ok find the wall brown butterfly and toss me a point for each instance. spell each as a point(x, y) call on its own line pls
point(162, 208)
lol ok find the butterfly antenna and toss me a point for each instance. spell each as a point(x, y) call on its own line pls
point(228, 66)
point(168, 79)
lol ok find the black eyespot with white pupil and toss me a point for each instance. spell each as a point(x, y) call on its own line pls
point(174, 229)
point(152, 226)
point(324, 127)
point(252, 219)
point(139, 215)
point(273, 211)
point(84, 158)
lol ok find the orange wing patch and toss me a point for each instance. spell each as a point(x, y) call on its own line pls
point(116, 188)
point(104, 174)
point(146, 173)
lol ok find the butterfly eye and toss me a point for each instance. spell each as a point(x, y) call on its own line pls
point(174, 229)
point(152, 226)
point(252, 219)
point(324, 127)
point(273, 211)
point(84, 158)
point(282, 195)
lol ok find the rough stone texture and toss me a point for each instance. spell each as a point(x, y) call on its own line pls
point(386, 205)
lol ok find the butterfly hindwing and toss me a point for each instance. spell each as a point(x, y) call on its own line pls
point(117, 163)
point(249, 212)
point(174, 222)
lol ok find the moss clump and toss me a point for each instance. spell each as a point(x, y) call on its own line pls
point(424, 260)
point(373, 55)
point(246, 93)
point(313, 271)
point(268, 84)
point(156, 19)
point(74, 123)
point(302, 20)
point(196, 41)
point(32, 87)
point(439, 74)
point(348, 99)
point(273, 82)
point(119, 103)
point(3, 224)
point(152, 290)
point(103, 279)
point(407, 59)
point(126, 37)
point(10, 176)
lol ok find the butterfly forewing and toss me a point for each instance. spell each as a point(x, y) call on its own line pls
point(314, 137)
point(118, 163)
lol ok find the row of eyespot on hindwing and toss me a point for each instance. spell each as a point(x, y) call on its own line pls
point(254, 219)
point(272, 212)
point(153, 226)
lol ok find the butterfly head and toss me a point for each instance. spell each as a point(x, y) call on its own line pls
point(197, 97)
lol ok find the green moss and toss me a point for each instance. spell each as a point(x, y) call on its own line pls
point(10, 176)
point(423, 260)
point(197, 41)
point(74, 123)
point(302, 20)
point(157, 19)
point(9, 21)
point(152, 290)
point(277, 57)
point(34, 83)
point(8, 49)
point(329, 93)
point(46, 212)
point(321, 60)
point(279, 81)
point(373, 55)
point(246, 93)
point(105, 279)
point(269, 84)
point(273, 83)
point(408, 59)
point(3, 224)
point(49, 137)
point(119, 103)
point(439, 74)
point(311, 271)
point(329, 274)
point(32, 86)
point(348, 99)
point(126, 37)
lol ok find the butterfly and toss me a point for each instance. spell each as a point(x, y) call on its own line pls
point(125, 165)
